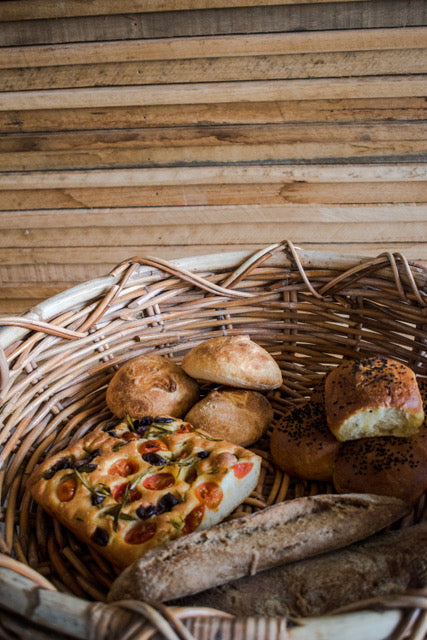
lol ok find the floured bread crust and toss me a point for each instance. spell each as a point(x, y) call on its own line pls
point(238, 415)
point(236, 361)
point(151, 385)
point(132, 486)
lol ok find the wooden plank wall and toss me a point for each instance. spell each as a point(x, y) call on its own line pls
point(175, 128)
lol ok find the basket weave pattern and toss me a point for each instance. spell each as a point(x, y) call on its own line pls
point(307, 309)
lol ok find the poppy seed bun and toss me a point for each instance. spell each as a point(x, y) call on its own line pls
point(386, 465)
point(372, 397)
point(151, 385)
point(302, 445)
point(240, 416)
point(235, 361)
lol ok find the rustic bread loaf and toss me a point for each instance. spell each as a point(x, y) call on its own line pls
point(371, 397)
point(240, 416)
point(387, 563)
point(282, 533)
point(235, 361)
point(302, 445)
point(151, 385)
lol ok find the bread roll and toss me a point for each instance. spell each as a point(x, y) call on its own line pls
point(235, 361)
point(302, 445)
point(372, 397)
point(151, 385)
point(384, 465)
point(240, 416)
point(284, 532)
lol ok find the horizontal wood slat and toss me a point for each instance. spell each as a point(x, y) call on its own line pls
point(183, 128)
point(216, 92)
point(369, 110)
point(228, 20)
point(202, 214)
point(214, 47)
point(238, 69)
point(42, 9)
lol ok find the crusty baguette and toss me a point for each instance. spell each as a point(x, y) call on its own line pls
point(385, 564)
point(281, 533)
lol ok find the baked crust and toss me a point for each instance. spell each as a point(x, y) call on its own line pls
point(371, 397)
point(151, 385)
point(285, 532)
point(236, 361)
point(386, 465)
point(238, 415)
point(130, 487)
point(302, 445)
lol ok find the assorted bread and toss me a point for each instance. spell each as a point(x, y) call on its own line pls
point(363, 429)
point(152, 488)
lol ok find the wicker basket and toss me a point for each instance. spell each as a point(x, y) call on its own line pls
point(309, 309)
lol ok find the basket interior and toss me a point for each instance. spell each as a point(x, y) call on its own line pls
point(308, 310)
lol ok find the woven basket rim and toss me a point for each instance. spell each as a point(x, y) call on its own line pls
point(86, 290)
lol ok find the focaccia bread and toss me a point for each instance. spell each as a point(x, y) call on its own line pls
point(131, 486)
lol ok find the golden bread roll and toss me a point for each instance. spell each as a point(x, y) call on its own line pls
point(236, 361)
point(151, 385)
point(372, 397)
point(240, 416)
point(302, 445)
point(386, 465)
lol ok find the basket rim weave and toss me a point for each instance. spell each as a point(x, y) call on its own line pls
point(401, 616)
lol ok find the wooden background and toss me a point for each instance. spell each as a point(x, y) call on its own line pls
point(174, 128)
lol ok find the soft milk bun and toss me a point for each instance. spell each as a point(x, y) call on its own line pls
point(151, 385)
point(235, 361)
point(372, 397)
point(240, 416)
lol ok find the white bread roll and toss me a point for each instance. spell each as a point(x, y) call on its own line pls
point(236, 361)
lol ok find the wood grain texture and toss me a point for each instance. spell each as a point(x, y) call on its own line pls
point(179, 129)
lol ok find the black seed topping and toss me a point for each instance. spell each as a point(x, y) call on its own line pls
point(97, 498)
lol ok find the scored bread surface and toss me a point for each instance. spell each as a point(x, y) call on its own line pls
point(236, 361)
point(131, 486)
